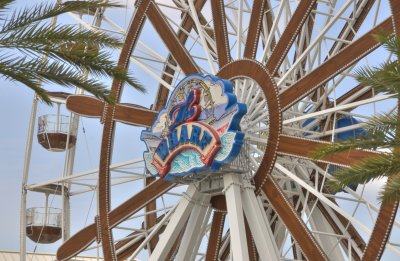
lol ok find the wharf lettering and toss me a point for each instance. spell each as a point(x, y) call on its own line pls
point(192, 135)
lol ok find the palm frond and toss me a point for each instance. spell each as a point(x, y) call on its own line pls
point(391, 192)
point(4, 4)
point(99, 64)
point(31, 15)
point(69, 77)
point(41, 37)
point(384, 165)
point(34, 72)
point(384, 78)
point(12, 74)
point(69, 44)
point(371, 140)
point(390, 42)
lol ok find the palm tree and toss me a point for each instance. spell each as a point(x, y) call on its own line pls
point(34, 51)
point(381, 132)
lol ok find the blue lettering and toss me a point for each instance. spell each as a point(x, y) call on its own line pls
point(162, 149)
point(182, 112)
point(205, 140)
point(195, 136)
point(173, 139)
point(184, 138)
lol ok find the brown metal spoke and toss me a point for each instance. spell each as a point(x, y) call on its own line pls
point(77, 243)
point(269, 19)
point(355, 236)
point(170, 39)
point(151, 215)
point(293, 222)
point(289, 35)
point(220, 32)
point(126, 253)
point(348, 35)
point(355, 26)
point(300, 147)
point(254, 30)
point(355, 94)
point(251, 247)
point(380, 233)
point(187, 25)
point(332, 67)
point(91, 107)
point(215, 241)
point(86, 236)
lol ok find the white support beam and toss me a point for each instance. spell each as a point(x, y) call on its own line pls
point(204, 228)
point(232, 189)
point(82, 174)
point(150, 236)
point(193, 228)
point(339, 108)
point(259, 226)
point(174, 227)
point(330, 243)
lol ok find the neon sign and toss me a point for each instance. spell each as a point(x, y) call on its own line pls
point(198, 128)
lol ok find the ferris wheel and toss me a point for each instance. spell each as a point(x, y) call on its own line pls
point(268, 82)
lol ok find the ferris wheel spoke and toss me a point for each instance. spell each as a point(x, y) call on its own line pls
point(289, 35)
point(293, 222)
point(303, 41)
point(357, 93)
point(192, 199)
point(220, 32)
point(86, 236)
point(89, 106)
point(188, 245)
point(71, 247)
point(381, 231)
point(186, 26)
point(345, 58)
point(170, 39)
point(326, 219)
point(267, 24)
point(300, 147)
point(338, 108)
point(254, 30)
point(215, 241)
point(123, 252)
point(349, 30)
point(342, 226)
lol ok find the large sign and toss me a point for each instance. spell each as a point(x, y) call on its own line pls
point(198, 128)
